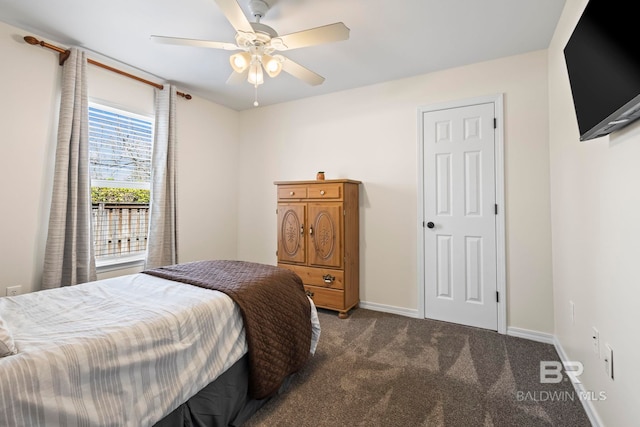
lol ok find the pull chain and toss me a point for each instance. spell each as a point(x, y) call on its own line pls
point(255, 95)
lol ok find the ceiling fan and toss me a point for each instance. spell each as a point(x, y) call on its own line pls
point(258, 43)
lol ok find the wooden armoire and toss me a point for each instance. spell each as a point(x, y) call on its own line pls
point(318, 238)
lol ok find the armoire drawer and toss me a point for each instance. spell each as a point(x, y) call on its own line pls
point(324, 191)
point(297, 192)
point(322, 277)
point(326, 298)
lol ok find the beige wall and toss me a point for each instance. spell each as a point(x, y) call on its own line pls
point(28, 122)
point(595, 204)
point(207, 136)
point(370, 134)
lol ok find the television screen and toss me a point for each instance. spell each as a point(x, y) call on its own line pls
point(603, 61)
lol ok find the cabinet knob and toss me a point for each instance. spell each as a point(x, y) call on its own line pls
point(322, 192)
point(291, 193)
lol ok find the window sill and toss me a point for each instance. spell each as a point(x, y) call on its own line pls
point(119, 263)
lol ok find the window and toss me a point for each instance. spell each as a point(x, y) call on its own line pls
point(120, 145)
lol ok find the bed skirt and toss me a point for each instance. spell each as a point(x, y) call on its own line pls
point(224, 402)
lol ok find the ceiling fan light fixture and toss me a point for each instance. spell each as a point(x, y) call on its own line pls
point(273, 64)
point(240, 61)
point(255, 74)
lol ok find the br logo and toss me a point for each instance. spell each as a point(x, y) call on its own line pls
point(551, 371)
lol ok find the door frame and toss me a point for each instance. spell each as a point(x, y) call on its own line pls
point(501, 270)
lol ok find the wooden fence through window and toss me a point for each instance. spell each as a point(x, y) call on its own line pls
point(120, 229)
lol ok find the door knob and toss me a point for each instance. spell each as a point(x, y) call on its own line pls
point(430, 224)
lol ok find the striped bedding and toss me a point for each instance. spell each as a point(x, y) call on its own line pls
point(116, 352)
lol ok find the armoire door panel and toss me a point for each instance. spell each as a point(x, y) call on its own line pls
point(325, 231)
point(291, 233)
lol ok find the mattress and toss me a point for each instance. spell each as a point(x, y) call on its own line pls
point(117, 352)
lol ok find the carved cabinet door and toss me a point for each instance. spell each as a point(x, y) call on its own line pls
point(325, 231)
point(291, 232)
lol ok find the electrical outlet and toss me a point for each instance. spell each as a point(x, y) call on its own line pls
point(12, 291)
point(595, 335)
point(608, 360)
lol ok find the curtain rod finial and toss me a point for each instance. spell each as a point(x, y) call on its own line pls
point(64, 54)
point(31, 40)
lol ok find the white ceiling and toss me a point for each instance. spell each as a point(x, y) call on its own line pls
point(389, 39)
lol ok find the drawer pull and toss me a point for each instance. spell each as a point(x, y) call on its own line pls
point(322, 192)
point(328, 278)
point(291, 193)
point(309, 294)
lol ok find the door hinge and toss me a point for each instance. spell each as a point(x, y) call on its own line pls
point(495, 123)
point(344, 212)
point(496, 208)
point(497, 296)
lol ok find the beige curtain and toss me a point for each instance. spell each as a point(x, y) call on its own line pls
point(162, 240)
point(69, 257)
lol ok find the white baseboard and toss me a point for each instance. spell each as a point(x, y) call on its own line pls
point(408, 312)
point(542, 337)
point(579, 388)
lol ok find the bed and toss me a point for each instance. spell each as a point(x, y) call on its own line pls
point(146, 350)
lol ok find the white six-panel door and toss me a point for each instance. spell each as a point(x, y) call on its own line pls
point(460, 218)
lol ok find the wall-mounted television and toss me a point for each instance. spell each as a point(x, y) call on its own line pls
point(603, 61)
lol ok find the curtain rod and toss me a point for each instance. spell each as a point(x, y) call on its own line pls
point(64, 54)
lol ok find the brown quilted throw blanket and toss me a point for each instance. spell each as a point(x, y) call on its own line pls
point(274, 307)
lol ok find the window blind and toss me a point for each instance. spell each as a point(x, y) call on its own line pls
point(120, 145)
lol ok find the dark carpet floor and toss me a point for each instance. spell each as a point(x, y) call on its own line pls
point(379, 369)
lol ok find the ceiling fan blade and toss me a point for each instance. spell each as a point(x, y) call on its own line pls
point(195, 42)
point(315, 36)
point(235, 15)
point(304, 74)
point(237, 78)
